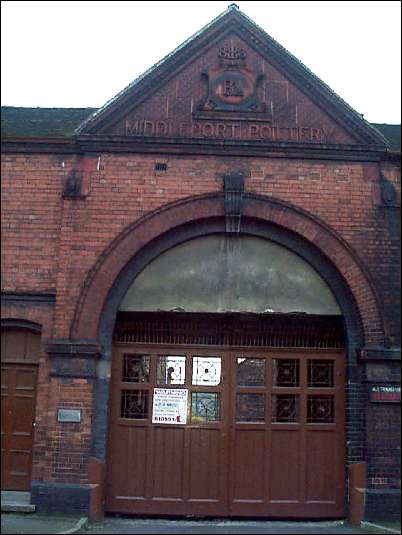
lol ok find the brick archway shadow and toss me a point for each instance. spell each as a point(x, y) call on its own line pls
point(193, 217)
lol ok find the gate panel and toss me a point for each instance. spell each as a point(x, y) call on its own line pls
point(168, 464)
point(133, 447)
point(285, 452)
point(263, 433)
point(249, 463)
point(180, 468)
point(321, 467)
point(205, 471)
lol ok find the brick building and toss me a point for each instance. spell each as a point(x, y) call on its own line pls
point(200, 292)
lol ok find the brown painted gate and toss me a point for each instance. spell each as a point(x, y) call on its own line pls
point(264, 434)
point(19, 352)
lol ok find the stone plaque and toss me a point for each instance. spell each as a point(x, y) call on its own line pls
point(69, 415)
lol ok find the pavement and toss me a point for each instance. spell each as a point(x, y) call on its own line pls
point(39, 523)
point(19, 516)
point(19, 523)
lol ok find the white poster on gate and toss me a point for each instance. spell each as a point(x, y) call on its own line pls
point(170, 406)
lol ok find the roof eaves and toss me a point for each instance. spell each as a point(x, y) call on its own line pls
point(376, 134)
point(318, 80)
point(113, 100)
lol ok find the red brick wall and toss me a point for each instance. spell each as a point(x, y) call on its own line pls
point(31, 188)
point(49, 242)
point(68, 444)
point(52, 242)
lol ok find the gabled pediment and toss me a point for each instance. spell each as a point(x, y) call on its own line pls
point(231, 81)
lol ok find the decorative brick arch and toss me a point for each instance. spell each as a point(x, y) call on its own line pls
point(173, 220)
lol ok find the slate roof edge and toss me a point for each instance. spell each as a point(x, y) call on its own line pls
point(318, 80)
point(153, 68)
point(355, 120)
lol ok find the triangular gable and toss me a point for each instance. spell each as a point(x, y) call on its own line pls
point(232, 81)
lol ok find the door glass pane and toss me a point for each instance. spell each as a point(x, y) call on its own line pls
point(286, 372)
point(250, 407)
point(250, 372)
point(320, 409)
point(135, 368)
point(321, 373)
point(171, 370)
point(206, 371)
point(205, 407)
point(285, 408)
point(134, 404)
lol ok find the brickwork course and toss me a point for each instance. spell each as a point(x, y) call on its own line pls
point(83, 191)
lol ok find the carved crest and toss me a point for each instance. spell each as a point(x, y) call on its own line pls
point(232, 86)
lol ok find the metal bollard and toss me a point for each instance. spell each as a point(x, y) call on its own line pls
point(357, 492)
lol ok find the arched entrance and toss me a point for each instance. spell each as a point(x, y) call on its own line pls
point(20, 350)
point(270, 219)
point(233, 405)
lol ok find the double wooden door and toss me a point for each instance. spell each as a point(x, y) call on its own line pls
point(256, 433)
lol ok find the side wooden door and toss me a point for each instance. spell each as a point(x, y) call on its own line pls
point(19, 355)
point(18, 393)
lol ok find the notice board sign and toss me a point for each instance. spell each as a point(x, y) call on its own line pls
point(385, 393)
point(170, 406)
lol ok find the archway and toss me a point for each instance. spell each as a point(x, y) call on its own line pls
point(255, 344)
point(185, 220)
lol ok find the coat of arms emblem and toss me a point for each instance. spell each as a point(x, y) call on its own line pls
point(232, 86)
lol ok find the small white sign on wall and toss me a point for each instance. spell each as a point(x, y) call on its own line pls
point(170, 406)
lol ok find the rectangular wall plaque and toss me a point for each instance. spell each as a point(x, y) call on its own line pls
point(385, 393)
point(69, 415)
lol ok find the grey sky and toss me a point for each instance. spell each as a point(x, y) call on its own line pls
point(79, 54)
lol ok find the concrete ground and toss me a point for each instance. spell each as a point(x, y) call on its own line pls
point(36, 523)
point(162, 526)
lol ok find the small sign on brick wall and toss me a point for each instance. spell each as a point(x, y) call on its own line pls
point(385, 393)
point(69, 415)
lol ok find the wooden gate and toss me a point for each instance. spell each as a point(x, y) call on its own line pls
point(264, 432)
point(20, 351)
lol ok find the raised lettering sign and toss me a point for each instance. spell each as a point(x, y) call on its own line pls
point(240, 130)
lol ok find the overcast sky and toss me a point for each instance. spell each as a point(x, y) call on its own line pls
point(80, 54)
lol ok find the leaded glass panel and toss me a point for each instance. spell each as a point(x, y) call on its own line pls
point(206, 371)
point(205, 407)
point(134, 404)
point(250, 407)
point(250, 372)
point(285, 408)
point(171, 370)
point(320, 409)
point(136, 368)
point(286, 372)
point(321, 373)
